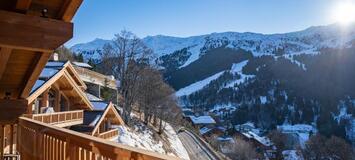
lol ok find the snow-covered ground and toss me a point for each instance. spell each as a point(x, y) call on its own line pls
point(175, 142)
point(237, 68)
point(197, 85)
point(143, 137)
point(292, 155)
point(302, 131)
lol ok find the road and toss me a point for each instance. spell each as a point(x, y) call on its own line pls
point(194, 148)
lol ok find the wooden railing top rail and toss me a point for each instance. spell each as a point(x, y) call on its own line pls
point(89, 143)
point(109, 131)
point(54, 113)
point(109, 134)
point(92, 76)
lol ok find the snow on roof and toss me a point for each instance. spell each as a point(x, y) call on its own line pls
point(48, 73)
point(81, 64)
point(220, 107)
point(224, 138)
point(38, 84)
point(55, 64)
point(92, 97)
point(99, 105)
point(263, 140)
point(202, 120)
point(205, 130)
point(94, 122)
point(299, 128)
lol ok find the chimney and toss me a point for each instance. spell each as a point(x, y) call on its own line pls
point(55, 56)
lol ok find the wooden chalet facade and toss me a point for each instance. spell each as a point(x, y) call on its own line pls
point(39, 101)
point(101, 122)
point(58, 88)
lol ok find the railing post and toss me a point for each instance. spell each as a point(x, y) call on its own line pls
point(2, 137)
point(11, 138)
point(71, 151)
point(38, 150)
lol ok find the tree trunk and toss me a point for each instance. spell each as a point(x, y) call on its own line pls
point(160, 127)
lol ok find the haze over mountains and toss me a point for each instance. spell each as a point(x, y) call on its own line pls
point(298, 77)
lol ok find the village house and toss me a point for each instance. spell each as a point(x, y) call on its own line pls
point(202, 121)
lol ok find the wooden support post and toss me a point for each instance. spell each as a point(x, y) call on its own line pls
point(45, 99)
point(2, 138)
point(11, 139)
point(57, 101)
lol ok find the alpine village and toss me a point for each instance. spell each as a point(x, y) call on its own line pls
point(219, 96)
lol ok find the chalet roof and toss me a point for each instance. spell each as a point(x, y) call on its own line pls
point(93, 118)
point(82, 64)
point(92, 97)
point(202, 120)
point(48, 72)
point(61, 74)
point(99, 105)
point(262, 140)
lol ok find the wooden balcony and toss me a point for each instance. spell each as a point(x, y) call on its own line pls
point(37, 140)
point(109, 134)
point(96, 78)
point(59, 119)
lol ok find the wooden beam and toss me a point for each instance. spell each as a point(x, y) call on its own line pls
point(32, 32)
point(69, 9)
point(10, 110)
point(34, 73)
point(4, 57)
point(23, 5)
point(45, 99)
point(66, 89)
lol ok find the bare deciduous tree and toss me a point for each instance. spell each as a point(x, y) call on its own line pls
point(156, 99)
point(241, 150)
point(319, 147)
point(123, 59)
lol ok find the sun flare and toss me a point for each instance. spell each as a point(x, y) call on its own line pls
point(344, 13)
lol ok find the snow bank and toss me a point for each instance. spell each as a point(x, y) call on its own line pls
point(175, 142)
point(143, 138)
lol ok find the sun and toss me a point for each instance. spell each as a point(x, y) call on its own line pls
point(344, 13)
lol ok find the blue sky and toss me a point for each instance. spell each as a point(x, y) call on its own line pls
point(104, 18)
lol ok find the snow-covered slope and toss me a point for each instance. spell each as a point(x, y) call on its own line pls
point(197, 85)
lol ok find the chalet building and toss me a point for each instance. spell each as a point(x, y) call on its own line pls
point(212, 131)
point(101, 122)
point(58, 88)
point(40, 100)
point(96, 81)
point(202, 121)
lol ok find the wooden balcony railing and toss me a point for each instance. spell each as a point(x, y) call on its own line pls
point(109, 134)
point(37, 140)
point(59, 119)
point(96, 78)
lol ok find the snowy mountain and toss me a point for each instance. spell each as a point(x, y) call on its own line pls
point(269, 79)
point(307, 41)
